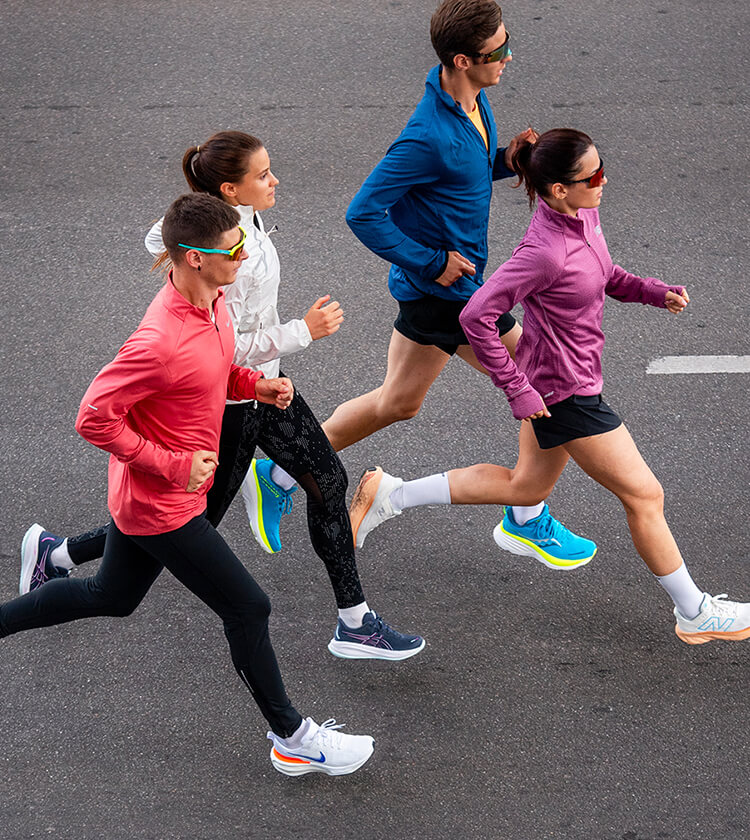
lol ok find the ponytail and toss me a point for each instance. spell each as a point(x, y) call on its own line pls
point(520, 162)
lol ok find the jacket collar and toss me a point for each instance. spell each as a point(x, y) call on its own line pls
point(560, 221)
point(433, 84)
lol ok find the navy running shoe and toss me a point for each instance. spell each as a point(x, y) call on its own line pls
point(373, 640)
point(36, 566)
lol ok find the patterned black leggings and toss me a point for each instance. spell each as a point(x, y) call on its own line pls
point(295, 441)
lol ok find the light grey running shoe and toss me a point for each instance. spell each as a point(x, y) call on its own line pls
point(323, 750)
point(718, 619)
point(371, 504)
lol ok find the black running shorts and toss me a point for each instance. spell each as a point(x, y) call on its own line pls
point(573, 418)
point(433, 320)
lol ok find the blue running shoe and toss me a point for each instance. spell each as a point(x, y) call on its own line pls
point(265, 503)
point(546, 539)
point(373, 640)
point(36, 566)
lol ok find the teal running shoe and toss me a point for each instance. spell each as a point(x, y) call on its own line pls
point(265, 503)
point(545, 539)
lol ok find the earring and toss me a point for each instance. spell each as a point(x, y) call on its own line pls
point(199, 268)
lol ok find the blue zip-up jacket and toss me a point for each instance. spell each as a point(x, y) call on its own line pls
point(430, 194)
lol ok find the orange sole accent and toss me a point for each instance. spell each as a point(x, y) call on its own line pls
point(288, 758)
point(361, 503)
point(712, 635)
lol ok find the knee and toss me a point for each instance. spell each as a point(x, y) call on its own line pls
point(649, 495)
point(252, 610)
point(402, 407)
point(326, 488)
point(112, 603)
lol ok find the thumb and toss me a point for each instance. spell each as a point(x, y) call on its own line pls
point(320, 301)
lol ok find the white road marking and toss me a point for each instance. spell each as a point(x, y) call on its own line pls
point(700, 364)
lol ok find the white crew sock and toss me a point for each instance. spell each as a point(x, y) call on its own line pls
point(295, 739)
point(681, 589)
point(60, 557)
point(431, 490)
point(282, 478)
point(353, 616)
point(522, 515)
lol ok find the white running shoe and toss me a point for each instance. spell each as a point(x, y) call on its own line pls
point(371, 505)
point(322, 751)
point(718, 619)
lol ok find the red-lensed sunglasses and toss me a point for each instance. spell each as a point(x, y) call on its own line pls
point(594, 180)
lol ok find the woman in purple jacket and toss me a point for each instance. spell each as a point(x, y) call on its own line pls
point(560, 274)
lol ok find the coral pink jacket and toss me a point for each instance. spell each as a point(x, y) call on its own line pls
point(161, 399)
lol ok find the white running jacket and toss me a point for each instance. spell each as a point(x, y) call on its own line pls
point(260, 340)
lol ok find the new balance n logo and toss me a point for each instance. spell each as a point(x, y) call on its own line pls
point(716, 623)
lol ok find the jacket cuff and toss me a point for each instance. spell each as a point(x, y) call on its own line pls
point(658, 293)
point(525, 403)
point(443, 264)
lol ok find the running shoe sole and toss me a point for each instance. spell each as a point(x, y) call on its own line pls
point(518, 545)
point(255, 511)
point(29, 556)
point(352, 650)
point(363, 500)
point(711, 636)
point(291, 766)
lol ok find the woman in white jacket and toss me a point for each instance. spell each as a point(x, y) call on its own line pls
point(236, 168)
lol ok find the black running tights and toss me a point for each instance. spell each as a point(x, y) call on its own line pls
point(198, 557)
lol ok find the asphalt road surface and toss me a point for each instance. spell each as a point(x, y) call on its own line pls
point(545, 705)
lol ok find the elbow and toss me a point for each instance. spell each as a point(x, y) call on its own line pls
point(86, 422)
point(352, 218)
point(81, 424)
point(466, 318)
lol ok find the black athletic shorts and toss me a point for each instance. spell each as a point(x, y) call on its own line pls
point(434, 320)
point(575, 417)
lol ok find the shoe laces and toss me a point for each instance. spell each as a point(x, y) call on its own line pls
point(285, 501)
point(325, 734)
point(723, 607)
point(550, 529)
point(383, 627)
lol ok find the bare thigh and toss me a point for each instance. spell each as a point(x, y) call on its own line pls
point(613, 460)
point(412, 368)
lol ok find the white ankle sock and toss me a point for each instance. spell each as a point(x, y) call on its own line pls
point(522, 515)
point(431, 490)
point(60, 557)
point(353, 616)
point(282, 478)
point(295, 739)
point(681, 589)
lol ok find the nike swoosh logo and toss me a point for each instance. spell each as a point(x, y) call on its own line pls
point(320, 760)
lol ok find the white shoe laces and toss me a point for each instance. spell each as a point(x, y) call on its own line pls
point(728, 608)
point(326, 735)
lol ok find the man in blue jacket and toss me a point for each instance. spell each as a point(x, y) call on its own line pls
point(425, 209)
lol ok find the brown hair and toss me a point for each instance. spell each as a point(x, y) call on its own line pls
point(554, 158)
point(222, 158)
point(196, 219)
point(462, 27)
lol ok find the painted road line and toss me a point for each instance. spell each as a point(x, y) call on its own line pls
point(700, 364)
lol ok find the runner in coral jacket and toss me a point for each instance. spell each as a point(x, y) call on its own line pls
point(157, 410)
